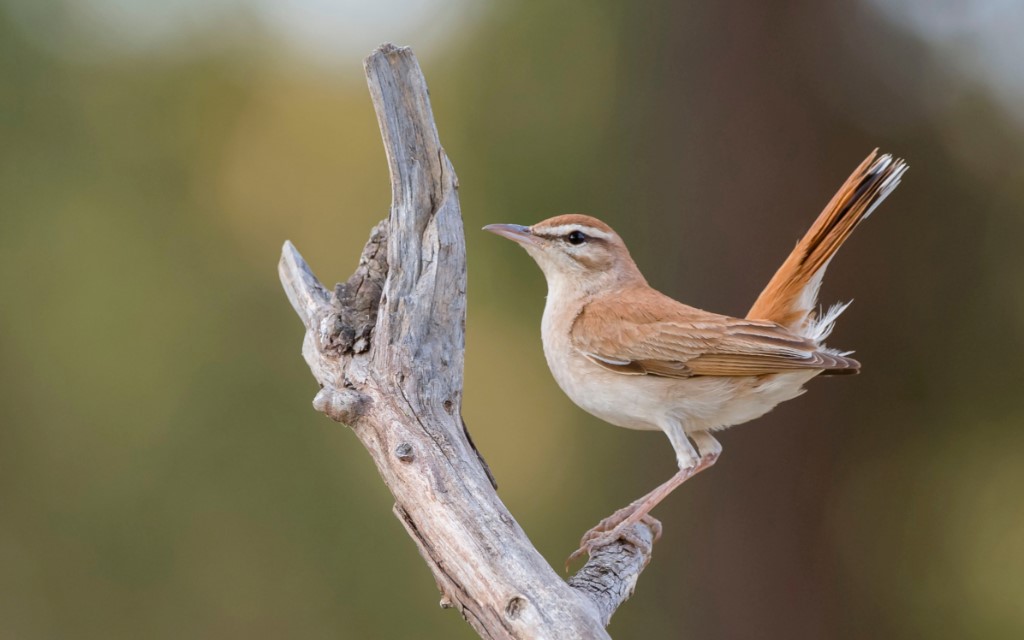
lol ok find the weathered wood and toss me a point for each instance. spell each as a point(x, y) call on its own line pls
point(387, 349)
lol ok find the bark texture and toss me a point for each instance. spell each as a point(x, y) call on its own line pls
point(387, 348)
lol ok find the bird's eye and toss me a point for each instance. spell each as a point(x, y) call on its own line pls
point(576, 237)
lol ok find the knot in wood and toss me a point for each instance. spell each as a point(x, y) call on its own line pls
point(341, 405)
point(404, 452)
point(515, 607)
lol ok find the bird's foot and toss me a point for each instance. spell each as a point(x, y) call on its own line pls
point(618, 526)
point(619, 521)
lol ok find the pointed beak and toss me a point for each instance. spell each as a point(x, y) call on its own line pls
point(515, 232)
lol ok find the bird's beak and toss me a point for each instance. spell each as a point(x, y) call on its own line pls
point(515, 232)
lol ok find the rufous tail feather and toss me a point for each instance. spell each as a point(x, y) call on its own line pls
point(792, 294)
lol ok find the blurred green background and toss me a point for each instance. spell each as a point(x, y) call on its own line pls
point(162, 474)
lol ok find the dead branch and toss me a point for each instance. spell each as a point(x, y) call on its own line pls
point(387, 349)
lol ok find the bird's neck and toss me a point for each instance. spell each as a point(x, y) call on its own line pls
point(568, 294)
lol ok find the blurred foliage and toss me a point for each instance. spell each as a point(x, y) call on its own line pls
point(162, 474)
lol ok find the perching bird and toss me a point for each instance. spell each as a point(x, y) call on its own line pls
point(636, 358)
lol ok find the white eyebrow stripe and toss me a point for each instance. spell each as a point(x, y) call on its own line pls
point(566, 229)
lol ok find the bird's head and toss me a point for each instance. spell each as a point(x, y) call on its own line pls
point(576, 251)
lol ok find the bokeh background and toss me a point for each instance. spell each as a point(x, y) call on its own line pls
point(162, 474)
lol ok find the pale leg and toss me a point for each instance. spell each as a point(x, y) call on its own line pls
point(686, 455)
point(706, 443)
point(690, 464)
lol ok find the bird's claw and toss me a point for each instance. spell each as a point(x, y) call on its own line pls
point(611, 530)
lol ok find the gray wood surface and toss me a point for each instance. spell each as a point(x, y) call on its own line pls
point(387, 348)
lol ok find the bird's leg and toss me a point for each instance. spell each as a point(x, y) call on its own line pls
point(617, 525)
point(708, 446)
point(690, 464)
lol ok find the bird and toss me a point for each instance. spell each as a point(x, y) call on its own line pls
point(636, 358)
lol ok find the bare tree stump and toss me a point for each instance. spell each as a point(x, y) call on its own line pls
point(387, 349)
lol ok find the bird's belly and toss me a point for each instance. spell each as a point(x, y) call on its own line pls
point(649, 402)
point(621, 403)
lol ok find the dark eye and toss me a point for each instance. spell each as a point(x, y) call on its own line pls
point(576, 237)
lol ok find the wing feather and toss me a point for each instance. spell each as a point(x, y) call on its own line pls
point(642, 331)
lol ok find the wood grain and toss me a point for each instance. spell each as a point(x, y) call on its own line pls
point(387, 348)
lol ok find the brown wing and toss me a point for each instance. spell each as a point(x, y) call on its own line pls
point(645, 332)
